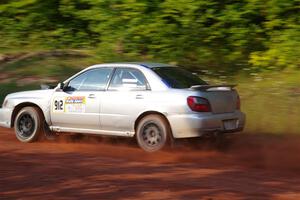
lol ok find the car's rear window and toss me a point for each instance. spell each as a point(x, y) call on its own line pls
point(176, 77)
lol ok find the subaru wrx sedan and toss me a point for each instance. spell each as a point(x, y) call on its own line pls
point(152, 102)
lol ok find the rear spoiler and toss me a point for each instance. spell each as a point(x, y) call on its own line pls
point(226, 87)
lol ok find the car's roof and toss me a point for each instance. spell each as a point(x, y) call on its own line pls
point(150, 64)
point(142, 64)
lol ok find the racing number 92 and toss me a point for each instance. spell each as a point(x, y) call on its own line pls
point(58, 105)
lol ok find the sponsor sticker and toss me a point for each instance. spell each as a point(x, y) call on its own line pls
point(75, 104)
point(72, 104)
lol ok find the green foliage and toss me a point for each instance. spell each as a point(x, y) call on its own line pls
point(214, 34)
point(7, 88)
point(45, 65)
point(269, 99)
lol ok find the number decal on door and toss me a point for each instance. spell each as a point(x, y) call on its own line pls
point(58, 105)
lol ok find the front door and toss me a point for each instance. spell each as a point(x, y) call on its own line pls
point(78, 105)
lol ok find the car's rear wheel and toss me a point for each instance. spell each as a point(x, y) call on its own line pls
point(28, 124)
point(152, 133)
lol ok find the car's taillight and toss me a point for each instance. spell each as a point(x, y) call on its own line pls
point(238, 103)
point(198, 104)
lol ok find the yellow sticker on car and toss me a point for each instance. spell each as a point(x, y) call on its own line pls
point(75, 104)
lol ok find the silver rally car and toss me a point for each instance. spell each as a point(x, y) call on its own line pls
point(152, 102)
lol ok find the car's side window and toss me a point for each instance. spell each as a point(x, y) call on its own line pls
point(91, 80)
point(128, 79)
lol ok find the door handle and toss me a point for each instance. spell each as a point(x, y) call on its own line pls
point(92, 96)
point(139, 96)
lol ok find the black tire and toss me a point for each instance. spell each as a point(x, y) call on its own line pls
point(29, 124)
point(152, 133)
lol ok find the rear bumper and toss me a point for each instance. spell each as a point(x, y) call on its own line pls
point(5, 117)
point(196, 125)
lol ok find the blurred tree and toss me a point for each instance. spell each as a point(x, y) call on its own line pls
point(223, 35)
point(282, 40)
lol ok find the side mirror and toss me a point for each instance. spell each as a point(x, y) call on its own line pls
point(60, 86)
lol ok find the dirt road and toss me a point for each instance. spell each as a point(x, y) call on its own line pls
point(248, 167)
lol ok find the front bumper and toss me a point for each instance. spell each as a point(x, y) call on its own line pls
point(196, 125)
point(5, 117)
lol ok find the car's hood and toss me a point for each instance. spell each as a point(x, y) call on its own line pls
point(35, 94)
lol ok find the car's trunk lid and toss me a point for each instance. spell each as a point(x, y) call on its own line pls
point(222, 98)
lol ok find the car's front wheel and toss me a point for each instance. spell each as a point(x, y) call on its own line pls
point(152, 133)
point(28, 124)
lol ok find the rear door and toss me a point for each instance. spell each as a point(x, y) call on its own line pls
point(78, 106)
point(125, 99)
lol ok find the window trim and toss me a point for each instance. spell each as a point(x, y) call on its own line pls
point(148, 88)
point(163, 79)
point(108, 81)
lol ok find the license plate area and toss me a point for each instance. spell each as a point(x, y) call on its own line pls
point(230, 124)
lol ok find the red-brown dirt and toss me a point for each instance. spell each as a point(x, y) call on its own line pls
point(248, 166)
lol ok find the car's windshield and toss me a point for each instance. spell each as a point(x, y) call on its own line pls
point(176, 77)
